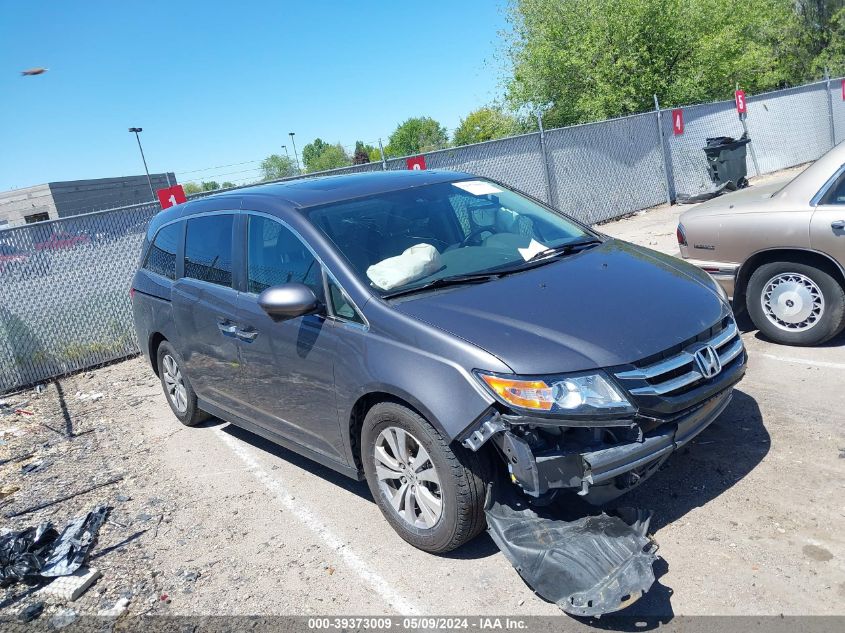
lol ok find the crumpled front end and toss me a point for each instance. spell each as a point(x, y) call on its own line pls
point(592, 564)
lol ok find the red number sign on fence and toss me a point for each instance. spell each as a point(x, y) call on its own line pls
point(678, 122)
point(171, 196)
point(416, 162)
point(741, 105)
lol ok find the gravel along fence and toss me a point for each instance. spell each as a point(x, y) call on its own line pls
point(64, 303)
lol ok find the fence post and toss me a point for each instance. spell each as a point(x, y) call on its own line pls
point(550, 197)
point(829, 108)
point(381, 151)
point(667, 169)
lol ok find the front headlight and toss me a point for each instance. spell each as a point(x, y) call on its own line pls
point(576, 394)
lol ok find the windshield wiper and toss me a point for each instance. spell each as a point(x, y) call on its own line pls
point(563, 249)
point(443, 282)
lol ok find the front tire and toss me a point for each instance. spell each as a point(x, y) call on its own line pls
point(795, 304)
point(177, 388)
point(431, 492)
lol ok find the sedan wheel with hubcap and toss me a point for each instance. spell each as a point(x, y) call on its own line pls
point(792, 302)
point(407, 478)
point(795, 303)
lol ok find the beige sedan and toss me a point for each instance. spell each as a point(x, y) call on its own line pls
point(778, 250)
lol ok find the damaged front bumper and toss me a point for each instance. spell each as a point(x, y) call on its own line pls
point(588, 566)
point(600, 463)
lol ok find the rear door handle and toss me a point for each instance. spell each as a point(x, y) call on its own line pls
point(838, 225)
point(247, 334)
point(227, 327)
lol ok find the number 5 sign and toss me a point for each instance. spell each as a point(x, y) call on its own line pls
point(741, 105)
point(678, 122)
point(171, 196)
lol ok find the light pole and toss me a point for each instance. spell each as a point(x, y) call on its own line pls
point(149, 180)
point(295, 155)
point(285, 147)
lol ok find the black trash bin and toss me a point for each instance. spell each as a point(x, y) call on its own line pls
point(726, 160)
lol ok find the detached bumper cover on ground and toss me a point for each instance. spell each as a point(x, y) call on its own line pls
point(587, 566)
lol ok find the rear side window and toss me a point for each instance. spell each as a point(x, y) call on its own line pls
point(208, 249)
point(161, 258)
point(277, 256)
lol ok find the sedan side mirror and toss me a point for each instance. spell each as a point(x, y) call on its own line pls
point(288, 301)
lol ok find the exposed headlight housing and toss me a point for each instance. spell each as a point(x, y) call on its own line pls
point(565, 394)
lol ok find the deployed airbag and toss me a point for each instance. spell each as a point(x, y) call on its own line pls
point(587, 566)
point(416, 262)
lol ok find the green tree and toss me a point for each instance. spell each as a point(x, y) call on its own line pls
point(275, 166)
point(583, 61)
point(485, 124)
point(827, 43)
point(191, 187)
point(416, 135)
point(320, 156)
point(362, 153)
point(375, 155)
point(227, 185)
point(211, 185)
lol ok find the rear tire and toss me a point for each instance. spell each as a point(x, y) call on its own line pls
point(795, 304)
point(177, 388)
point(461, 478)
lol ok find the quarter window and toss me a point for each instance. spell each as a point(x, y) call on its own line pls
point(836, 193)
point(161, 258)
point(341, 306)
point(208, 249)
point(277, 256)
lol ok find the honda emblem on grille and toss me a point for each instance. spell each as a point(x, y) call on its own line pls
point(708, 361)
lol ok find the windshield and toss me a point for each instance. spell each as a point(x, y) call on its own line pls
point(405, 239)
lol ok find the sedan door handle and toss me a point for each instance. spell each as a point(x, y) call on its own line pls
point(247, 334)
point(838, 225)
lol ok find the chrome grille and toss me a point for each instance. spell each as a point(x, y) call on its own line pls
point(680, 371)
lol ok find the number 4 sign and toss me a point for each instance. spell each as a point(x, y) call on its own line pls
point(171, 196)
point(678, 122)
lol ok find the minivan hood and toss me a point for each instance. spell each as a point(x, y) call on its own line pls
point(609, 305)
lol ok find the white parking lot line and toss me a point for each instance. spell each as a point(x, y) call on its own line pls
point(380, 585)
point(801, 361)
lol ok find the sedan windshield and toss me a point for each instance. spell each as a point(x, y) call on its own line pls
point(402, 240)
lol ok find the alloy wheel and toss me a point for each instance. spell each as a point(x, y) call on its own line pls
point(174, 384)
point(792, 302)
point(408, 478)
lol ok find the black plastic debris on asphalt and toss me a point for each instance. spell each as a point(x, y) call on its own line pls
point(35, 554)
point(588, 566)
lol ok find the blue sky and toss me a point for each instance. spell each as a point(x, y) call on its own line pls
point(215, 83)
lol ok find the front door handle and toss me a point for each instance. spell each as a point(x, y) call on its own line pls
point(227, 328)
point(247, 334)
point(838, 225)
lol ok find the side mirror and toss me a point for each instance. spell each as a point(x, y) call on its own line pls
point(288, 301)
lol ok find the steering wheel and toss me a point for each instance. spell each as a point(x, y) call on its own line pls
point(489, 228)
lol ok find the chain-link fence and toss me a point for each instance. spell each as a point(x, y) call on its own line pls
point(64, 293)
point(64, 302)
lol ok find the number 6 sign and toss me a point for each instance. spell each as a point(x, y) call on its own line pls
point(741, 105)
